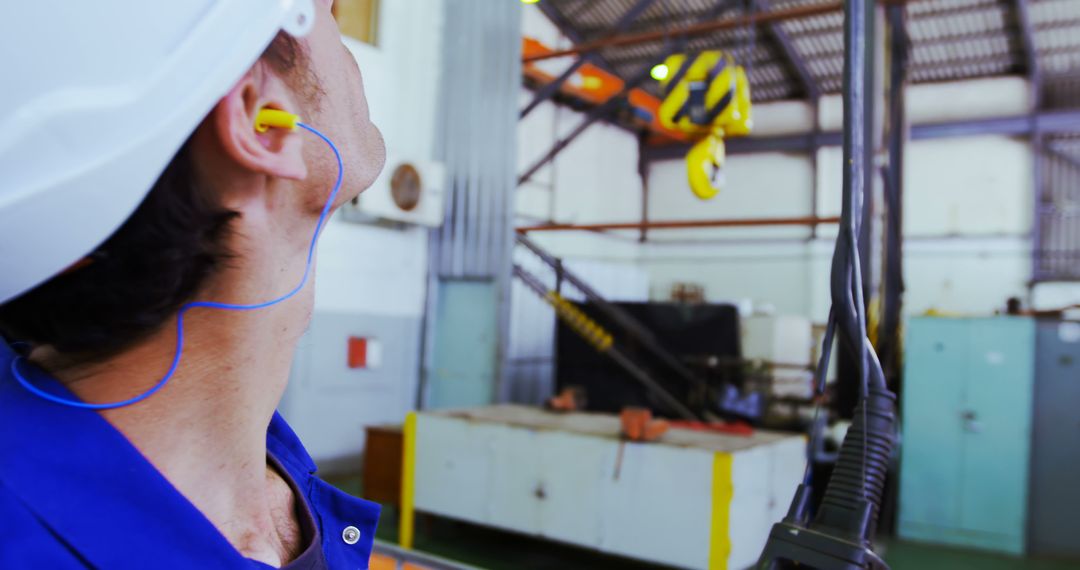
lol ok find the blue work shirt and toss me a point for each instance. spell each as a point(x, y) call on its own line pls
point(74, 493)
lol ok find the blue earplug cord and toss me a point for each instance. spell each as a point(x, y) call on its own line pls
point(203, 305)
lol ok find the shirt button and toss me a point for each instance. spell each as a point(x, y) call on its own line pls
point(350, 535)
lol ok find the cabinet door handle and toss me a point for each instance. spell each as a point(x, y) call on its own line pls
point(971, 421)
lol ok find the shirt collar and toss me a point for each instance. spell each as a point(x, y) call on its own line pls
point(93, 489)
point(285, 446)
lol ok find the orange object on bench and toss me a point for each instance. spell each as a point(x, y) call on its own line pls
point(570, 399)
point(639, 425)
point(732, 428)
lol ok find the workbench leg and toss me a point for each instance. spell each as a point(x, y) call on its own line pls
point(408, 479)
point(722, 492)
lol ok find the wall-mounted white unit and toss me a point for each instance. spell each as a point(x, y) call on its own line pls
point(407, 191)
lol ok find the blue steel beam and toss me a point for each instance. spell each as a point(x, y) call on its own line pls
point(1048, 122)
point(548, 91)
point(608, 107)
point(600, 112)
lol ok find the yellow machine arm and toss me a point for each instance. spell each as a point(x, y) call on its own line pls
point(706, 96)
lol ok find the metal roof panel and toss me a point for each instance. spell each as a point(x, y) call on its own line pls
point(951, 39)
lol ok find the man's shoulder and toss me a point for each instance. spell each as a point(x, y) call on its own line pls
point(25, 542)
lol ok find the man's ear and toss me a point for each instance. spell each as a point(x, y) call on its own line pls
point(276, 152)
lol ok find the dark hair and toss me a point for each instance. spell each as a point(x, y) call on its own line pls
point(141, 275)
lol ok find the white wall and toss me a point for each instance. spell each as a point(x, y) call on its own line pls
point(967, 221)
point(370, 280)
point(372, 269)
point(968, 203)
point(968, 207)
point(942, 102)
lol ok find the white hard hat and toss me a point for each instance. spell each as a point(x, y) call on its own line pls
point(97, 98)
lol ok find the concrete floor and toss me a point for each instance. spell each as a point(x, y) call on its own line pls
point(911, 556)
point(496, 550)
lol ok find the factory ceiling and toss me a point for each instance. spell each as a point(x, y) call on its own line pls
point(801, 57)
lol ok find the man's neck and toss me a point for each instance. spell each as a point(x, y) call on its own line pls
point(208, 423)
point(205, 430)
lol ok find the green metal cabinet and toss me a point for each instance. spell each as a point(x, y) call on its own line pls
point(966, 423)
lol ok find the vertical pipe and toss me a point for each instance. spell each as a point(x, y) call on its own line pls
point(815, 152)
point(643, 174)
point(478, 19)
point(1059, 178)
point(855, 105)
point(503, 186)
point(483, 217)
point(1070, 190)
point(848, 287)
point(892, 260)
point(1051, 198)
point(1038, 139)
point(408, 482)
point(845, 523)
point(874, 93)
point(455, 227)
point(1038, 178)
point(1047, 237)
point(1063, 218)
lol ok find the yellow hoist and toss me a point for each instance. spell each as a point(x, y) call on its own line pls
point(706, 96)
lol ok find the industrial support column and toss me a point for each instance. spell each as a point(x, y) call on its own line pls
point(892, 274)
point(469, 268)
point(1026, 31)
point(870, 256)
point(892, 256)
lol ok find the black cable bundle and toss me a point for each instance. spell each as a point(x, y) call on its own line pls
point(853, 496)
point(840, 535)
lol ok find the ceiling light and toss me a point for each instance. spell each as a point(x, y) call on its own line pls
point(659, 72)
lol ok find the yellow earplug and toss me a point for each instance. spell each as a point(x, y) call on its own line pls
point(275, 118)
